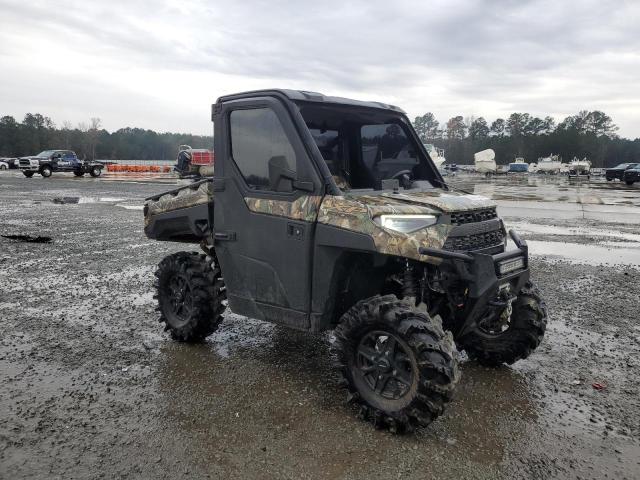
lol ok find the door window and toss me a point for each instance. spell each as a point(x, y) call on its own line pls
point(257, 136)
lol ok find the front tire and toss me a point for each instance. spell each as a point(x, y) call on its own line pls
point(524, 332)
point(78, 174)
point(27, 174)
point(46, 171)
point(191, 296)
point(629, 182)
point(398, 364)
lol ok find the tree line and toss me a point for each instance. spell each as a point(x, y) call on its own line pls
point(590, 134)
point(89, 140)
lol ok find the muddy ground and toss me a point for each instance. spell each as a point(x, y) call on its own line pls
point(92, 387)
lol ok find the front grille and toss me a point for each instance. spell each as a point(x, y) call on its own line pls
point(477, 236)
point(479, 241)
point(25, 163)
point(473, 216)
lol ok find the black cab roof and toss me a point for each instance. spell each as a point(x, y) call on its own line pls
point(305, 96)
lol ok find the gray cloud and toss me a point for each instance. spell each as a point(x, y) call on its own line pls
point(160, 65)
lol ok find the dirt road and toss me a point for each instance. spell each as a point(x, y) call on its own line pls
point(92, 387)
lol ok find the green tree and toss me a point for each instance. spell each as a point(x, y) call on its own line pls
point(478, 129)
point(498, 127)
point(517, 124)
point(9, 131)
point(426, 126)
point(599, 123)
point(456, 128)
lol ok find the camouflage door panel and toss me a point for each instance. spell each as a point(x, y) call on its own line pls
point(304, 208)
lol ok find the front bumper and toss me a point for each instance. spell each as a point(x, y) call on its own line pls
point(486, 278)
point(29, 168)
point(634, 177)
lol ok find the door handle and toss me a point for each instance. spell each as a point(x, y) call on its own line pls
point(295, 230)
point(224, 236)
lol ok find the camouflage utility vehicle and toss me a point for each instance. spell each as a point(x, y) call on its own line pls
point(327, 213)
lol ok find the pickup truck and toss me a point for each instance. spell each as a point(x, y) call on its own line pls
point(617, 172)
point(631, 175)
point(49, 161)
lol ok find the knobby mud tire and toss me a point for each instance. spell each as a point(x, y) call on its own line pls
point(203, 280)
point(433, 355)
point(526, 331)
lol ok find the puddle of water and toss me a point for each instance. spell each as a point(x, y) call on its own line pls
point(130, 207)
point(583, 231)
point(73, 200)
point(28, 238)
point(586, 254)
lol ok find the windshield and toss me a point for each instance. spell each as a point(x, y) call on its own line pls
point(363, 148)
point(46, 153)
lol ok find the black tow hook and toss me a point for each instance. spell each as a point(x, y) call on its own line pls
point(498, 303)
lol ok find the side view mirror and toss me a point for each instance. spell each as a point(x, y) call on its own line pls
point(282, 178)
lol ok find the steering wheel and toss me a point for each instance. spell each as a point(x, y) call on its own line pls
point(404, 178)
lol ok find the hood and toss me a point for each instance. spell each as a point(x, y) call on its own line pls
point(433, 201)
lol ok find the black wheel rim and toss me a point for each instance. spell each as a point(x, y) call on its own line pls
point(497, 325)
point(383, 361)
point(180, 300)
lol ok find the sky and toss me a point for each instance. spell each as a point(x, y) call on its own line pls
point(161, 64)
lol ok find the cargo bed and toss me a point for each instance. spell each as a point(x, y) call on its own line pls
point(181, 215)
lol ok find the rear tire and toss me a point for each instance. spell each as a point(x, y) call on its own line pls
point(398, 364)
point(46, 171)
point(3, 167)
point(527, 325)
point(27, 174)
point(95, 172)
point(191, 296)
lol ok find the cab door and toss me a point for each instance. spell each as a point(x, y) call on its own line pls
point(266, 199)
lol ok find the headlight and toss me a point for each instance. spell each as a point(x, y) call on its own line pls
point(406, 223)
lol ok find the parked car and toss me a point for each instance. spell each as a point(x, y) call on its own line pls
point(11, 162)
point(632, 175)
point(49, 161)
point(4, 165)
point(617, 172)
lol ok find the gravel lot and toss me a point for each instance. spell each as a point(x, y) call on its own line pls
point(92, 387)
